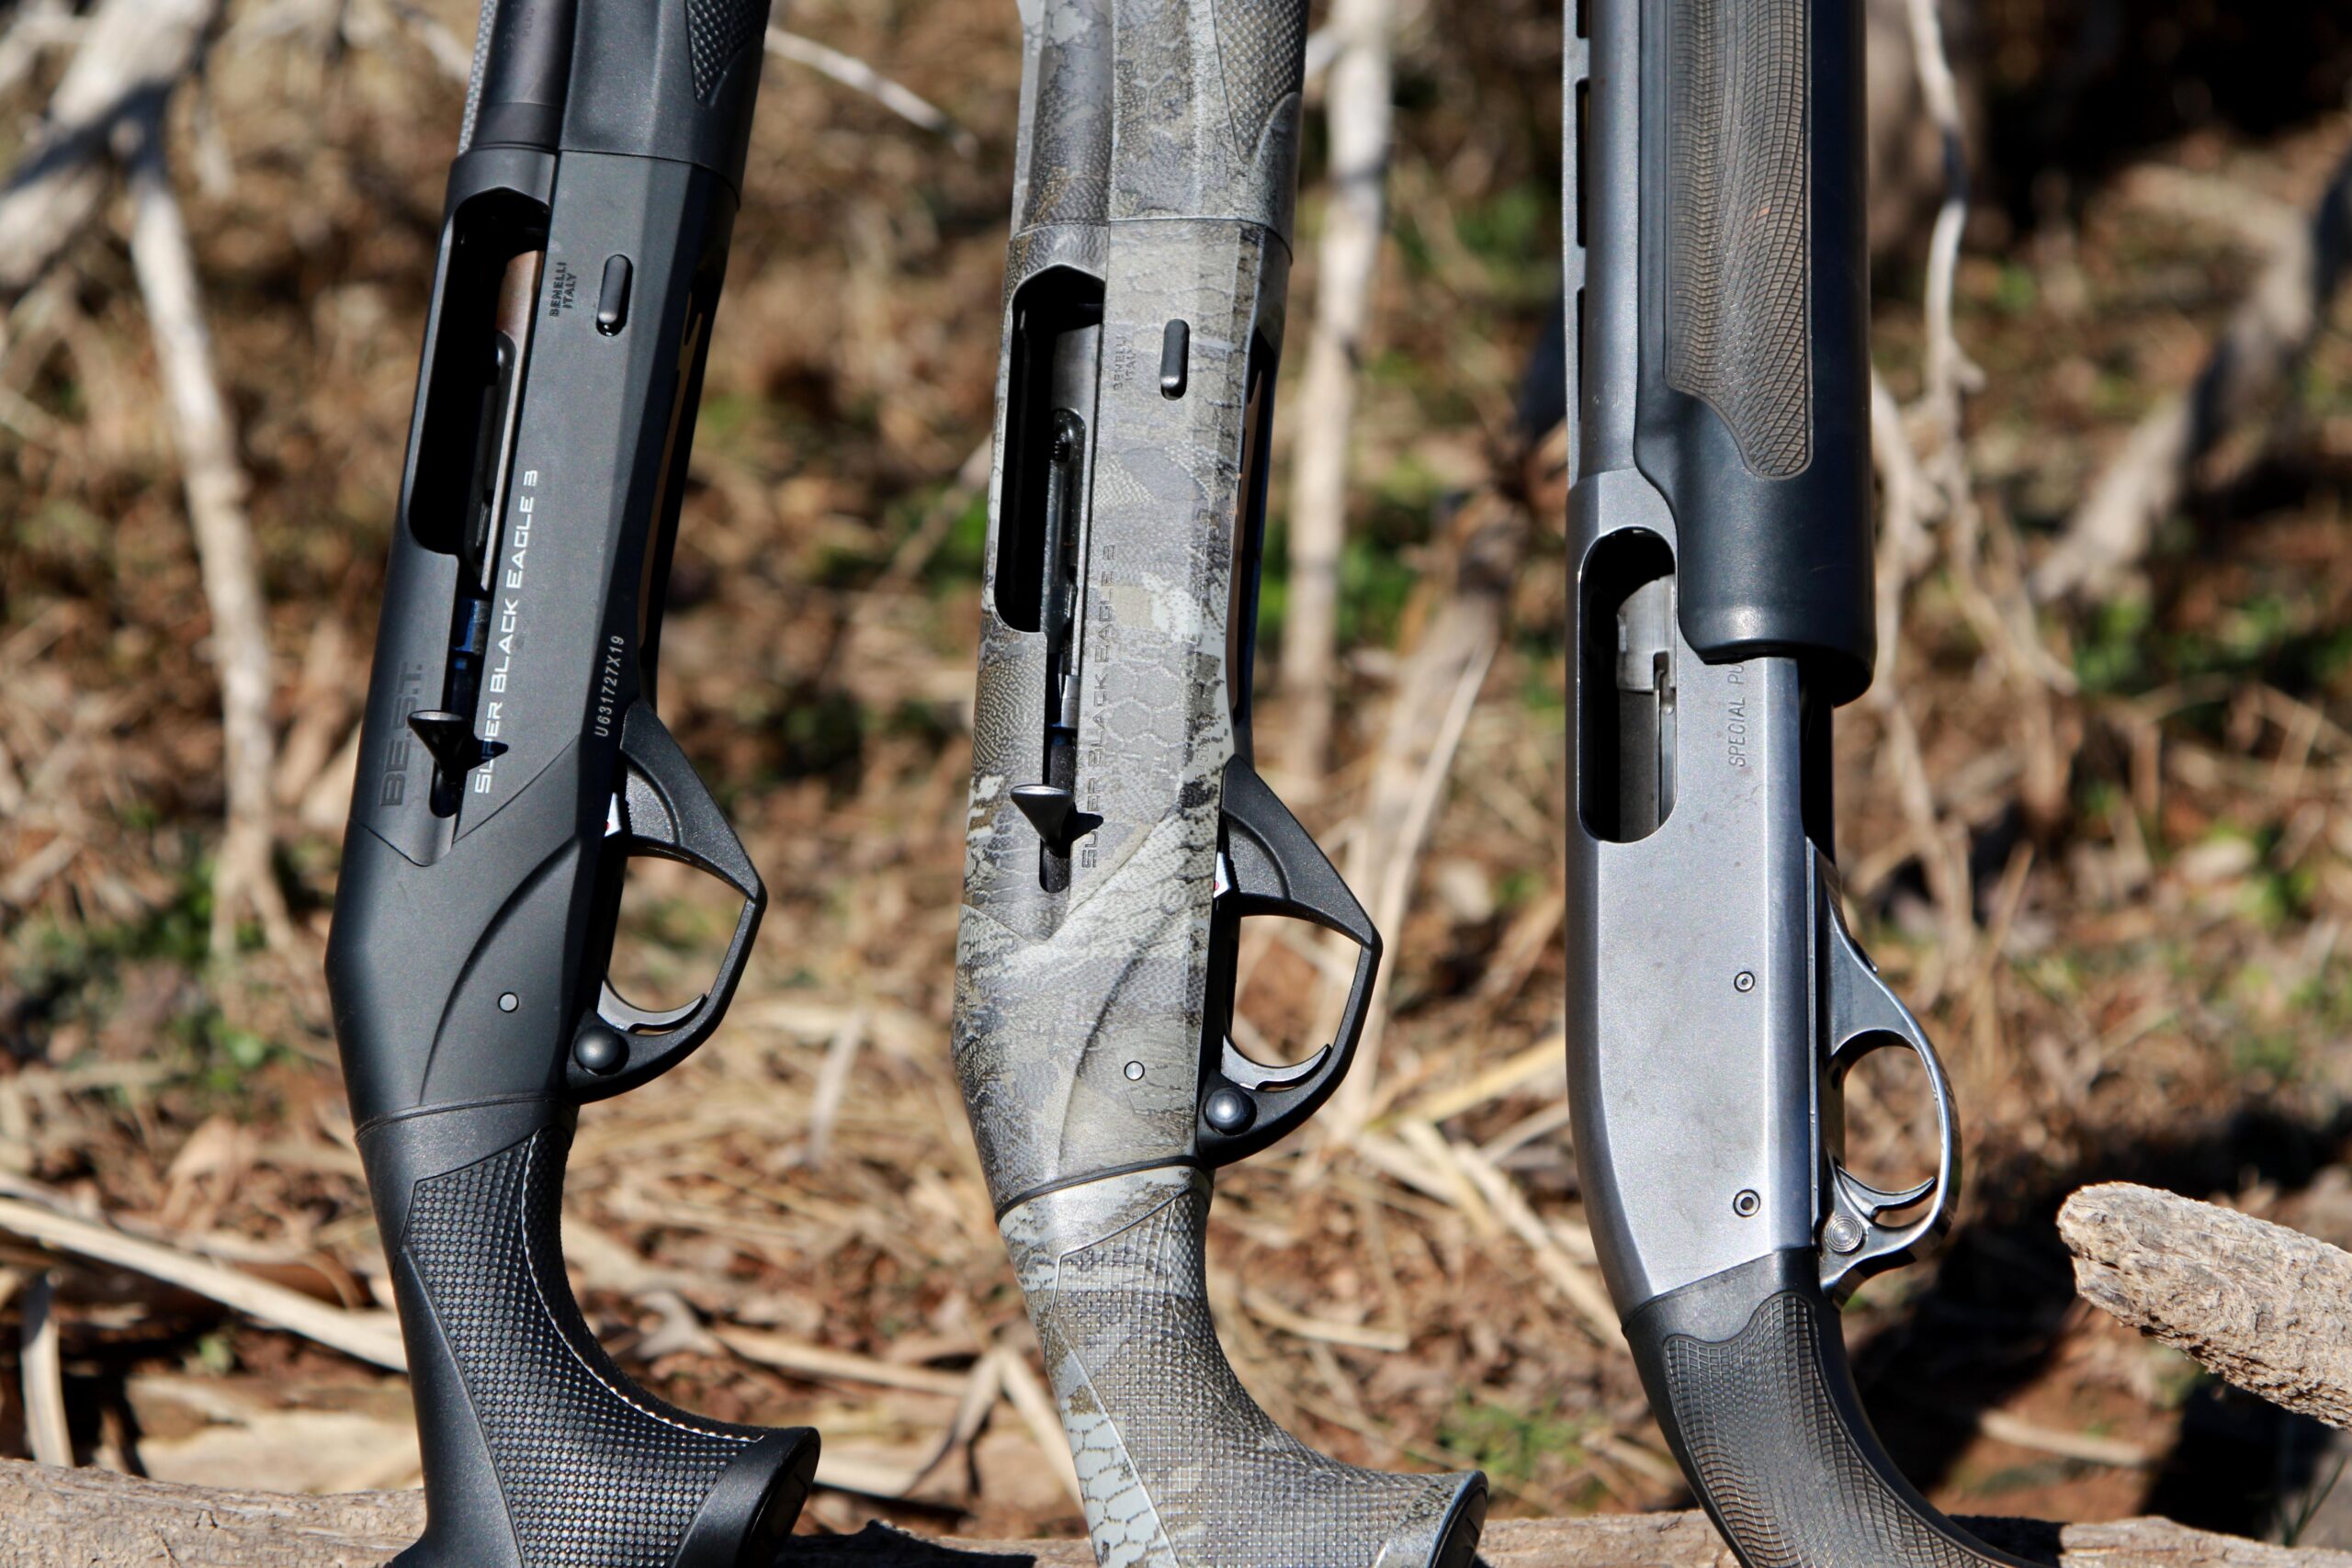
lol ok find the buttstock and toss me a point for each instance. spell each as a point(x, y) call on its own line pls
point(1179, 1464)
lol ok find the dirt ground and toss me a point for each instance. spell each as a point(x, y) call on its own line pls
point(2112, 874)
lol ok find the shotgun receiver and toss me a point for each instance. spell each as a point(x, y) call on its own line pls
point(512, 763)
point(1118, 834)
point(1719, 527)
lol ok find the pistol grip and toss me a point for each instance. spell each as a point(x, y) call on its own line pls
point(537, 1449)
point(1749, 1375)
point(1180, 1467)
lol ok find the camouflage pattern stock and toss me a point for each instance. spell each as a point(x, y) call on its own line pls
point(1158, 164)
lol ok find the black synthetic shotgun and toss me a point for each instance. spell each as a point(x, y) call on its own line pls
point(512, 763)
point(1720, 537)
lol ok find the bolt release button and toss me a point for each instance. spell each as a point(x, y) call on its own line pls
point(612, 299)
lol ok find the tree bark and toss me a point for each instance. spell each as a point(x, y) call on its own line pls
point(91, 1518)
point(2262, 1306)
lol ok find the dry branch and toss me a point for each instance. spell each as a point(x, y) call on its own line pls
point(1439, 684)
point(2265, 1307)
point(2272, 329)
point(111, 104)
point(93, 1518)
point(368, 1336)
point(43, 1374)
point(1358, 115)
point(41, 26)
point(243, 877)
point(132, 53)
point(857, 75)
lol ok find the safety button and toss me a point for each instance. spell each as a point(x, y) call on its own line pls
point(612, 300)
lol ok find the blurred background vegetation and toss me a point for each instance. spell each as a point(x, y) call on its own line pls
point(2094, 823)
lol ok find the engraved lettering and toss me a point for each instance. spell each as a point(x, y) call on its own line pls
point(1736, 720)
point(400, 752)
point(608, 686)
point(563, 287)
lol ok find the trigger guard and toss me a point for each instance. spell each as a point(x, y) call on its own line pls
point(1864, 1016)
point(663, 808)
point(1267, 864)
point(651, 1044)
point(666, 810)
point(1876, 1200)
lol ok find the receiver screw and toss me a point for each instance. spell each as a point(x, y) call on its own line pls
point(508, 1001)
point(1843, 1236)
point(1747, 1204)
point(1744, 981)
point(1135, 1072)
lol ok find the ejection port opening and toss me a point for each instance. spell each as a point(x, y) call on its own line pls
point(1625, 780)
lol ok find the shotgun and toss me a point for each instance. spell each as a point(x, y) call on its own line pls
point(1719, 527)
point(1118, 833)
point(512, 763)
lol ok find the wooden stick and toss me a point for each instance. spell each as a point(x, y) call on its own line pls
point(43, 1375)
point(857, 75)
point(2267, 336)
point(370, 1335)
point(1410, 770)
point(132, 54)
point(1357, 116)
point(39, 26)
point(2265, 1307)
point(243, 878)
point(98, 1519)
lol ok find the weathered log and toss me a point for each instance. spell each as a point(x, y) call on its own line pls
point(89, 1519)
point(2262, 1306)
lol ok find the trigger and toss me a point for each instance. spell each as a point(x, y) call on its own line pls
point(667, 810)
point(1876, 1200)
point(628, 1017)
point(1253, 1073)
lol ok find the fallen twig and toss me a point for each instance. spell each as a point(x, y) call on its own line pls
point(40, 26)
point(1425, 724)
point(370, 1335)
point(43, 1376)
point(131, 54)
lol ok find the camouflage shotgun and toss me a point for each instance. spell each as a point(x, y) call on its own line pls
point(1720, 534)
point(1118, 834)
point(512, 763)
